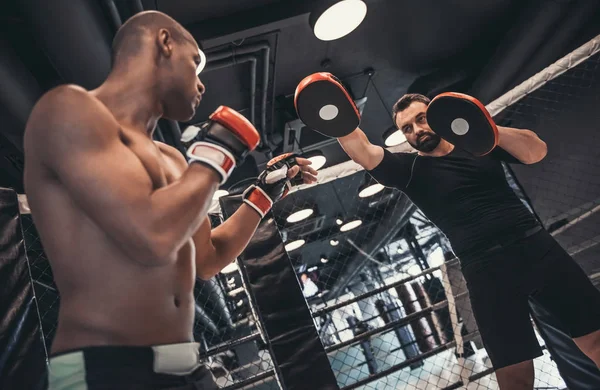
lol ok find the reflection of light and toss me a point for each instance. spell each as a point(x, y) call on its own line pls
point(324, 260)
point(230, 268)
point(299, 215)
point(436, 258)
point(351, 225)
point(370, 190)
point(220, 193)
point(294, 245)
point(340, 19)
point(317, 162)
point(396, 138)
point(414, 270)
point(339, 221)
point(334, 242)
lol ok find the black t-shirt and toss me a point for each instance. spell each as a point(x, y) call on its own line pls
point(468, 198)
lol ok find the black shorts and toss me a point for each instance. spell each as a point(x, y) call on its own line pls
point(537, 268)
point(174, 367)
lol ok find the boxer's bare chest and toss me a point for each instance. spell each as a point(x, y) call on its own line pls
point(158, 162)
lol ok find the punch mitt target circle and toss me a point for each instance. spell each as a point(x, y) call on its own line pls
point(464, 122)
point(328, 112)
point(460, 126)
point(325, 106)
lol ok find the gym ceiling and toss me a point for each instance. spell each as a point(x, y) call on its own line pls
point(427, 46)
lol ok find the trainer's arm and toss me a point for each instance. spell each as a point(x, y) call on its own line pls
point(78, 141)
point(361, 150)
point(524, 145)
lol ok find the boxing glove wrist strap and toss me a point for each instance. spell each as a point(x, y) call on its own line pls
point(215, 156)
point(258, 199)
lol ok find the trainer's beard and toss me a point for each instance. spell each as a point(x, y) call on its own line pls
point(427, 145)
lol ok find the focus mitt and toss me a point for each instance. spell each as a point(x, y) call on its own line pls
point(463, 121)
point(325, 106)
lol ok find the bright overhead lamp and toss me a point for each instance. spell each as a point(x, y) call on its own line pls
point(393, 136)
point(220, 193)
point(335, 19)
point(369, 187)
point(317, 162)
point(294, 245)
point(324, 260)
point(300, 215)
point(232, 267)
point(351, 225)
point(334, 242)
point(317, 158)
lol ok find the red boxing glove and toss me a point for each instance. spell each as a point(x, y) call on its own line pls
point(221, 143)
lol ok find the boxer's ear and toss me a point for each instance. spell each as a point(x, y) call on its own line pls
point(164, 42)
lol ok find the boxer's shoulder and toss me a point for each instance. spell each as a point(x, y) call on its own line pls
point(64, 99)
point(69, 115)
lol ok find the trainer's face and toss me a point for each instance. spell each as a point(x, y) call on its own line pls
point(183, 86)
point(413, 124)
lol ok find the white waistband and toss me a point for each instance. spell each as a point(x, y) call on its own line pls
point(176, 359)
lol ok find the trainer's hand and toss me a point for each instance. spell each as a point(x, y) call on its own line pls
point(221, 143)
point(275, 181)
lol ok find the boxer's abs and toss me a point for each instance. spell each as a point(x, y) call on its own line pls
point(109, 299)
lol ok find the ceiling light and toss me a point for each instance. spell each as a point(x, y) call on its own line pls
point(324, 260)
point(336, 19)
point(230, 268)
point(317, 162)
point(220, 193)
point(294, 245)
point(300, 215)
point(393, 136)
point(317, 158)
point(370, 190)
point(351, 225)
point(339, 221)
point(334, 242)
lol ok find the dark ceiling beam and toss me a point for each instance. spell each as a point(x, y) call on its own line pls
point(581, 15)
point(74, 35)
point(254, 22)
point(536, 23)
point(18, 94)
point(217, 32)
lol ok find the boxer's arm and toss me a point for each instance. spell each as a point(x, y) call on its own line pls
point(223, 244)
point(361, 150)
point(219, 247)
point(77, 140)
point(524, 145)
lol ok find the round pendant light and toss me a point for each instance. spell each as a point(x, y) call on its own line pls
point(336, 19)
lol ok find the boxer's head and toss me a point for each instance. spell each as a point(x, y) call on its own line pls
point(410, 118)
point(154, 48)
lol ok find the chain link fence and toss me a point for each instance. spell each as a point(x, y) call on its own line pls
point(386, 294)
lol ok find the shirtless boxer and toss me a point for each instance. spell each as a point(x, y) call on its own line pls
point(505, 254)
point(123, 219)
